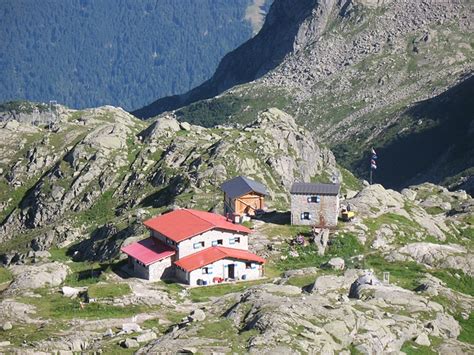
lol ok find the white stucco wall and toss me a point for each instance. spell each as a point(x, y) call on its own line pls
point(186, 247)
point(219, 269)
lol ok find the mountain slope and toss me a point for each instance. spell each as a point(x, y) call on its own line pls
point(125, 53)
point(97, 171)
point(354, 77)
point(248, 62)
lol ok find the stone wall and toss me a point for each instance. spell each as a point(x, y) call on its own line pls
point(323, 213)
point(153, 272)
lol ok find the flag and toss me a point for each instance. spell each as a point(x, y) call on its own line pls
point(374, 154)
point(373, 164)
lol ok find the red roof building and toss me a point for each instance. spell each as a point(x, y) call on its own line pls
point(183, 224)
point(211, 255)
point(195, 247)
point(148, 251)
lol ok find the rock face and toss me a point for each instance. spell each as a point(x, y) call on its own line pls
point(251, 60)
point(36, 276)
point(324, 321)
point(103, 165)
point(312, 59)
point(446, 256)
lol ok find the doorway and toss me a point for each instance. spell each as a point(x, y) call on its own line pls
point(231, 268)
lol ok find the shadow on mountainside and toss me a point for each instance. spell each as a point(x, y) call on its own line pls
point(438, 144)
point(248, 62)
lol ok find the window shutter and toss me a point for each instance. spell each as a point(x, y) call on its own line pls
point(231, 241)
point(302, 216)
point(214, 243)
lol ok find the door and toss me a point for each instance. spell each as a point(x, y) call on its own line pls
point(231, 268)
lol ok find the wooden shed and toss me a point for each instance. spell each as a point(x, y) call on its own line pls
point(243, 196)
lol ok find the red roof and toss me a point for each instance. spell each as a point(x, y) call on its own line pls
point(183, 224)
point(213, 254)
point(148, 251)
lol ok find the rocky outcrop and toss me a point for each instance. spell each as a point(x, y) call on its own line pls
point(108, 167)
point(438, 255)
point(34, 276)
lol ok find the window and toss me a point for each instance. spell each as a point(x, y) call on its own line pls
point(207, 270)
point(248, 265)
point(305, 216)
point(234, 240)
point(314, 199)
point(140, 263)
point(198, 245)
point(217, 242)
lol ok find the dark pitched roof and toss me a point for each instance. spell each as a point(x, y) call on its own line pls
point(241, 185)
point(309, 189)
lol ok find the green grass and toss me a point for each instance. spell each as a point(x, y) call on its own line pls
point(434, 210)
point(464, 283)
point(101, 212)
point(349, 181)
point(5, 275)
point(171, 287)
point(172, 316)
point(203, 294)
point(411, 348)
point(83, 273)
point(302, 280)
point(224, 330)
point(343, 246)
point(467, 329)
point(32, 332)
point(285, 230)
point(405, 274)
point(57, 307)
point(108, 290)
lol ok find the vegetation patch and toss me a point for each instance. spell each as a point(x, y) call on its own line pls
point(29, 333)
point(5, 275)
point(203, 294)
point(405, 274)
point(467, 329)
point(411, 348)
point(301, 280)
point(296, 257)
point(460, 283)
point(103, 290)
point(84, 273)
point(55, 306)
point(223, 329)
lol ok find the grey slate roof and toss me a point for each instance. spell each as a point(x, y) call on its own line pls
point(304, 188)
point(241, 185)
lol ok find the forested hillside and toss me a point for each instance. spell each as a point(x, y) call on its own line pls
point(126, 53)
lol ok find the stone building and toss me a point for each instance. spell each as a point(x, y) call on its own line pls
point(314, 204)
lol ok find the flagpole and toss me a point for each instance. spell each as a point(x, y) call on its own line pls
point(370, 175)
